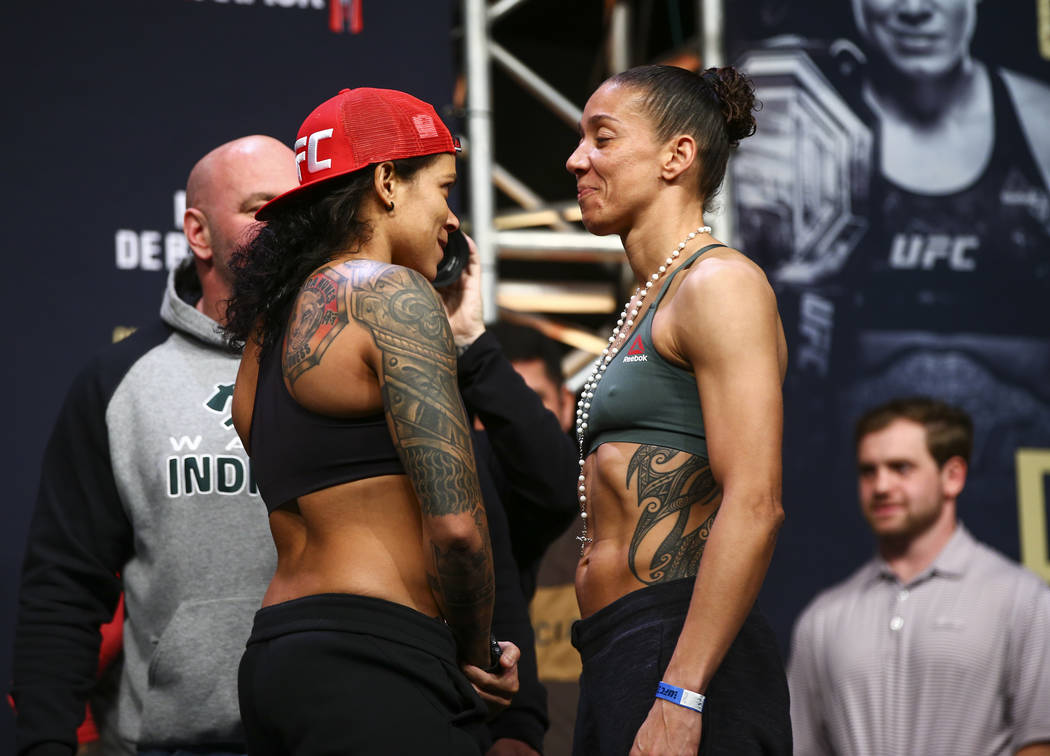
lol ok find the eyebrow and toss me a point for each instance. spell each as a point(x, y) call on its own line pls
point(598, 117)
point(257, 197)
point(887, 462)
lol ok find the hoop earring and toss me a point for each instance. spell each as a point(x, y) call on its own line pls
point(390, 207)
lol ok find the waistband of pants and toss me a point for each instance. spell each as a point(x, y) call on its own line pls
point(350, 613)
point(663, 601)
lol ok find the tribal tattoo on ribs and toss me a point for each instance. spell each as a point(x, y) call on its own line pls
point(669, 492)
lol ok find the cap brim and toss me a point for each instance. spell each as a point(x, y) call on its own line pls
point(291, 197)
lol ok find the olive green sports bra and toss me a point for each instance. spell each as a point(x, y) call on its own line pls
point(644, 399)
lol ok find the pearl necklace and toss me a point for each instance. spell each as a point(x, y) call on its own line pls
point(584, 405)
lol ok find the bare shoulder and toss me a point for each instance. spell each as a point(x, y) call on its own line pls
point(349, 319)
point(1031, 95)
point(1032, 98)
point(726, 281)
point(395, 302)
point(358, 292)
point(723, 307)
point(363, 274)
point(318, 317)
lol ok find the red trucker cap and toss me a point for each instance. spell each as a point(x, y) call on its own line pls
point(359, 127)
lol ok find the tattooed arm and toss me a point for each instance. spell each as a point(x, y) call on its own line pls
point(417, 373)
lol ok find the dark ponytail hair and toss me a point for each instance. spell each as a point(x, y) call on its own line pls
point(296, 240)
point(715, 107)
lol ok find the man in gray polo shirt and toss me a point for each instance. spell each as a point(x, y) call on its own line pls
point(938, 645)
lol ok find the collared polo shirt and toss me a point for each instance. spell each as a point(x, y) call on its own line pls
point(955, 662)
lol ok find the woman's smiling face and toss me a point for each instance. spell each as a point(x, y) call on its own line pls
point(617, 162)
point(918, 38)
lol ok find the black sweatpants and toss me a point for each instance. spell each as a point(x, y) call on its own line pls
point(627, 645)
point(343, 674)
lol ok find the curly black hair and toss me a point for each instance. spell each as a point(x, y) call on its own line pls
point(298, 239)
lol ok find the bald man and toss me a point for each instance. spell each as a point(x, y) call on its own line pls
point(145, 489)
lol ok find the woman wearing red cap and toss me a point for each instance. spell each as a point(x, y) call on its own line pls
point(348, 405)
point(679, 429)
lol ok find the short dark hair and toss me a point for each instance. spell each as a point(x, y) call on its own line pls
point(949, 430)
point(715, 107)
point(522, 342)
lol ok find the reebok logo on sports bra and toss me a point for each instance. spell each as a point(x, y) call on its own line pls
point(637, 351)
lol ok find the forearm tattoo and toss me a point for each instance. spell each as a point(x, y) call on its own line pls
point(670, 491)
point(454, 576)
point(421, 394)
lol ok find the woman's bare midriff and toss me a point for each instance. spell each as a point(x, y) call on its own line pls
point(362, 537)
point(604, 573)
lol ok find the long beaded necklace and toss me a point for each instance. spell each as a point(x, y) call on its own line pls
point(587, 394)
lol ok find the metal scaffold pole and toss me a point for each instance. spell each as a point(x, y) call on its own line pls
point(479, 134)
point(712, 53)
point(539, 229)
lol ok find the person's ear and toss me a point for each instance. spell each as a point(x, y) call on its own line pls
point(198, 234)
point(385, 182)
point(679, 155)
point(953, 477)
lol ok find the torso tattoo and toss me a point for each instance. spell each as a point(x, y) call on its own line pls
point(670, 491)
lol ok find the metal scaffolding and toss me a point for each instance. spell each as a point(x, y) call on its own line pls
point(552, 235)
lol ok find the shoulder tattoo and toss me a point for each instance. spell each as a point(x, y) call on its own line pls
point(319, 314)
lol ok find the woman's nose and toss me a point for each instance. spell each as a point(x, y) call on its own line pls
point(576, 164)
point(451, 222)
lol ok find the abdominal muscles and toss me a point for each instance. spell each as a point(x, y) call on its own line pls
point(651, 510)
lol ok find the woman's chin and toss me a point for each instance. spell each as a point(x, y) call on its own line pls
point(598, 226)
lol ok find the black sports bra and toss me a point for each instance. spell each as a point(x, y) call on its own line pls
point(295, 451)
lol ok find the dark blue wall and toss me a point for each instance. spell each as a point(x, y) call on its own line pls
point(109, 104)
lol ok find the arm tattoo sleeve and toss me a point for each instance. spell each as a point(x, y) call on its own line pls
point(421, 395)
point(452, 579)
point(419, 386)
point(670, 491)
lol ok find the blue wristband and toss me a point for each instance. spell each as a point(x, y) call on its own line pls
point(686, 698)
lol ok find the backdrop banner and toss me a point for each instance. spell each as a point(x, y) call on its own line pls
point(909, 256)
point(111, 104)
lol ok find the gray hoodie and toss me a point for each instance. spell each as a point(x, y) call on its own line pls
point(145, 476)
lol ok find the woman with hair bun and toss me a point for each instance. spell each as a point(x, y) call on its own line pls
point(679, 428)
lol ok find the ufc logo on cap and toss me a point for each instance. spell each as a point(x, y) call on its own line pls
point(309, 154)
